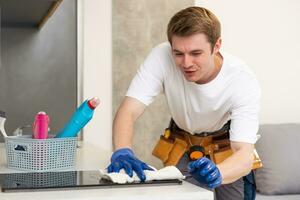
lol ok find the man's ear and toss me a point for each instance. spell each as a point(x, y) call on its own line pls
point(218, 45)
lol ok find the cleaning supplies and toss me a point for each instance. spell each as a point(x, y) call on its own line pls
point(40, 126)
point(19, 131)
point(80, 118)
point(2, 123)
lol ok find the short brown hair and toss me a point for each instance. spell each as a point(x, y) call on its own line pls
point(194, 20)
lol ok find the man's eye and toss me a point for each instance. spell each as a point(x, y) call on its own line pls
point(178, 54)
point(196, 54)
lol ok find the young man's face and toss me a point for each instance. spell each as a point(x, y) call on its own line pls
point(194, 57)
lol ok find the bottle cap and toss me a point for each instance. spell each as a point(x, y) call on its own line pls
point(93, 103)
point(41, 113)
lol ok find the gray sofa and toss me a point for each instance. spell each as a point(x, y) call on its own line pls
point(279, 149)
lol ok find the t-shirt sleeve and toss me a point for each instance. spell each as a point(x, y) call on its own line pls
point(245, 109)
point(148, 81)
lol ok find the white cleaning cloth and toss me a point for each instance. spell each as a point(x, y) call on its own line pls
point(169, 172)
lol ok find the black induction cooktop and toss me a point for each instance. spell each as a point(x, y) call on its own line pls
point(20, 182)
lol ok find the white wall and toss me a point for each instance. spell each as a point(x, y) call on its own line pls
point(265, 34)
point(95, 49)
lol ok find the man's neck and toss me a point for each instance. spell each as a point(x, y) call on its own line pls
point(218, 62)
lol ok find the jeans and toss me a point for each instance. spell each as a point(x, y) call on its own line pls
point(242, 189)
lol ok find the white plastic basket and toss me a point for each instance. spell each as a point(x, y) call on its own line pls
point(40, 155)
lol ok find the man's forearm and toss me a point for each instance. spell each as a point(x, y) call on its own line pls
point(129, 111)
point(237, 165)
point(122, 134)
point(122, 131)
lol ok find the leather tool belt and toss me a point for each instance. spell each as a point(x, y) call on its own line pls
point(175, 142)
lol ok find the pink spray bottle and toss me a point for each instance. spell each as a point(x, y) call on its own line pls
point(40, 126)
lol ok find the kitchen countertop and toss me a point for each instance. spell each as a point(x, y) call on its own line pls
point(92, 158)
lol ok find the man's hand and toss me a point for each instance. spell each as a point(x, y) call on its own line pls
point(205, 172)
point(124, 159)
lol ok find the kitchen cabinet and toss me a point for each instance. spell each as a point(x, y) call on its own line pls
point(27, 13)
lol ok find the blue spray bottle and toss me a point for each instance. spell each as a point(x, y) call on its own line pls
point(80, 118)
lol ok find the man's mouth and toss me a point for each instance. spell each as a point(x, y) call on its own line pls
point(189, 73)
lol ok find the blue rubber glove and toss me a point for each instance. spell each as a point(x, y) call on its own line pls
point(124, 159)
point(205, 172)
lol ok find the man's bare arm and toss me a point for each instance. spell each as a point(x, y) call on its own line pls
point(239, 164)
point(123, 124)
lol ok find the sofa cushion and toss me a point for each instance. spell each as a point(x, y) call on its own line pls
point(278, 197)
point(279, 149)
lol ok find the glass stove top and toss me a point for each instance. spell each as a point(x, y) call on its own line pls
point(17, 182)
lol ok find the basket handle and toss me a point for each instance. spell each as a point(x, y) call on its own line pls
point(19, 147)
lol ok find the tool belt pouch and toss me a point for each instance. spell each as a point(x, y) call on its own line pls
point(220, 147)
point(219, 157)
point(169, 151)
point(224, 151)
point(222, 155)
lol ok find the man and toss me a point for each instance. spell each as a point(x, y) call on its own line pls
point(205, 90)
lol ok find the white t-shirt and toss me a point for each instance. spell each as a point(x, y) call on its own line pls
point(234, 94)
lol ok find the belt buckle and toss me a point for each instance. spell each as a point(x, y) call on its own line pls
point(203, 134)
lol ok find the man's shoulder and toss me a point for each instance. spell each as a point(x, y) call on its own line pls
point(236, 66)
point(240, 75)
point(162, 53)
point(234, 61)
point(163, 47)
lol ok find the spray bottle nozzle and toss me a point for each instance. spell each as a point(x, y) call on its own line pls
point(94, 102)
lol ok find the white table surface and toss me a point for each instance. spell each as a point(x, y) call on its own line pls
point(92, 158)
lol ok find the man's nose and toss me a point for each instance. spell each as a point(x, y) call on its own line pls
point(187, 61)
